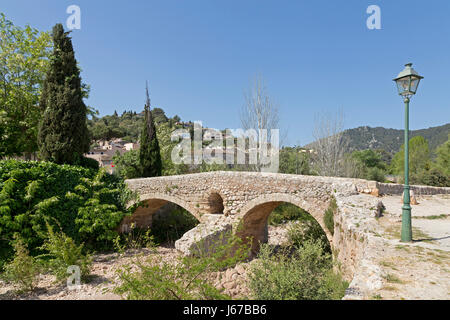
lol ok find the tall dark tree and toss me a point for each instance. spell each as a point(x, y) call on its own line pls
point(63, 132)
point(149, 154)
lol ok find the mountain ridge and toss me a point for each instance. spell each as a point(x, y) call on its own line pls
point(391, 140)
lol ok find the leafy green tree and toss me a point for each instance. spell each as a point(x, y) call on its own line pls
point(159, 115)
point(63, 132)
point(366, 164)
point(294, 161)
point(149, 154)
point(24, 56)
point(443, 157)
point(419, 159)
point(127, 165)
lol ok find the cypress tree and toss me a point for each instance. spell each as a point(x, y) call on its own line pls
point(149, 155)
point(63, 132)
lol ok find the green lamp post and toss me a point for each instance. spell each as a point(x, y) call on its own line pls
point(407, 83)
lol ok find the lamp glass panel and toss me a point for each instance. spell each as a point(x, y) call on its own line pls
point(403, 85)
point(414, 84)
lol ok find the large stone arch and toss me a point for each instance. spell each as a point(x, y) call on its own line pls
point(150, 204)
point(254, 214)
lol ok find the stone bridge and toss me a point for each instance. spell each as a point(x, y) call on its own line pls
point(246, 196)
point(243, 201)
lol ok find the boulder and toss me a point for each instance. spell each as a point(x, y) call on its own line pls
point(215, 230)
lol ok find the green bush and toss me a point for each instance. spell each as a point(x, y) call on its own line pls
point(375, 174)
point(171, 226)
point(137, 238)
point(23, 269)
point(88, 204)
point(88, 163)
point(305, 274)
point(62, 253)
point(328, 218)
point(301, 233)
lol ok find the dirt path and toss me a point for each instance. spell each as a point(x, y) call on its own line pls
point(421, 269)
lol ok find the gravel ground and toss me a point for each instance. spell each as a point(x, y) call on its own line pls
point(421, 269)
point(103, 275)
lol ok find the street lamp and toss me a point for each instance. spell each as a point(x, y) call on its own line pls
point(407, 84)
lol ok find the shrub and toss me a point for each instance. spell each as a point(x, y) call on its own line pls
point(88, 163)
point(184, 279)
point(62, 253)
point(23, 269)
point(172, 225)
point(88, 204)
point(305, 274)
point(375, 174)
point(137, 238)
point(328, 218)
point(300, 233)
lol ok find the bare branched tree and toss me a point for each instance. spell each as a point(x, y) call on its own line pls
point(259, 111)
point(330, 144)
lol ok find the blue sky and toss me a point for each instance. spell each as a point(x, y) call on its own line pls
point(315, 56)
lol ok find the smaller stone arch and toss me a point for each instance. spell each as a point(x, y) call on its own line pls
point(215, 203)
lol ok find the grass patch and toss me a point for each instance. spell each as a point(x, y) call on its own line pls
point(391, 278)
point(434, 217)
point(388, 264)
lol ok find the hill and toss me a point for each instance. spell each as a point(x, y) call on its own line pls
point(391, 140)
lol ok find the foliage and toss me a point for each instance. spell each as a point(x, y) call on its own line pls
point(305, 274)
point(171, 226)
point(434, 177)
point(185, 279)
point(24, 56)
point(23, 269)
point(288, 212)
point(443, 158)
point(129, 167)
point(301, 233)
point(87, 204)
point(128, 125)
point(419, 159)
point(127, 164)
point(149, 154)
point(62, 253)
point(366, 164)
point(63, 133)
point(294, 161)
point(328, 218)
point(137, 238)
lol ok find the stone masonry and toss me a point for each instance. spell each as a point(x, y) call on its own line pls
point(243, 201)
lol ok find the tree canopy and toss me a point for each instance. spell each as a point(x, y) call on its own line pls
point(24, 60)
point(63, 133)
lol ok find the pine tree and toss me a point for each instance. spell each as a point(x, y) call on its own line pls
point(149, 155)
point(63, 133)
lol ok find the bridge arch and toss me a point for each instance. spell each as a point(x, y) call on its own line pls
point(150, 204)
point(254, 215)
point(216, 202)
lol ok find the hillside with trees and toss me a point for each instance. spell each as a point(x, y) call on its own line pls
point(391, 140)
